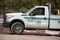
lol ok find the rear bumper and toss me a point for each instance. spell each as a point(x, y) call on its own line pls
point(6, 24)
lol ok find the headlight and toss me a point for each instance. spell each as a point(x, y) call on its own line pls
point(8, 17)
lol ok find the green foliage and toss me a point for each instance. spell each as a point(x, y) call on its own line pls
point(23, 5)
point(20, 5)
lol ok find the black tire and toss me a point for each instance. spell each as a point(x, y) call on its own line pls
point(17, 28)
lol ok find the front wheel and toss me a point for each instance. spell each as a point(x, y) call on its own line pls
point(17, 28)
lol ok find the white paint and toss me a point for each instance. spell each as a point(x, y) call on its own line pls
point(1, 20)
point(52, 32)
point(28, 31)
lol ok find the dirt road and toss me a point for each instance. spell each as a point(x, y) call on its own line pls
point(27, 37)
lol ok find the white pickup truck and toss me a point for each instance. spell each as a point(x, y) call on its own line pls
point(36, 17)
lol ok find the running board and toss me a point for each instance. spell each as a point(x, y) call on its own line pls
point(54, 29)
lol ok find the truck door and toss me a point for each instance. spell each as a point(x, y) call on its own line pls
point(38, 18)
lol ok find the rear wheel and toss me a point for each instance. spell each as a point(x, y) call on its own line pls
point(17, 28)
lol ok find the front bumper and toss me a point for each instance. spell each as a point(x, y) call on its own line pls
point(6, 24)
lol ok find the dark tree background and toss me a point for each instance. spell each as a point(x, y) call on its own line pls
point(23, 5)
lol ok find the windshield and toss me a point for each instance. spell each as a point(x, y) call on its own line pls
point(27, 12)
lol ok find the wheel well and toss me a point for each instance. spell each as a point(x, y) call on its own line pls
point(17, 20)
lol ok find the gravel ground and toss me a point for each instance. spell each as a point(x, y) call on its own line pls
point(27, 37)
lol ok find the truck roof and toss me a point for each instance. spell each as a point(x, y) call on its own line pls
point(40, 6)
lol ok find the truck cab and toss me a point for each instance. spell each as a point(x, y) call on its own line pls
point(36, 17)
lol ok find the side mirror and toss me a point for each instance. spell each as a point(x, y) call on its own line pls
point(32, 14)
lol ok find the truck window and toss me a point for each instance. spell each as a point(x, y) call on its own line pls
point(38, 11)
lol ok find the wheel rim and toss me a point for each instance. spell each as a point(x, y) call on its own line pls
point(17, 28)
